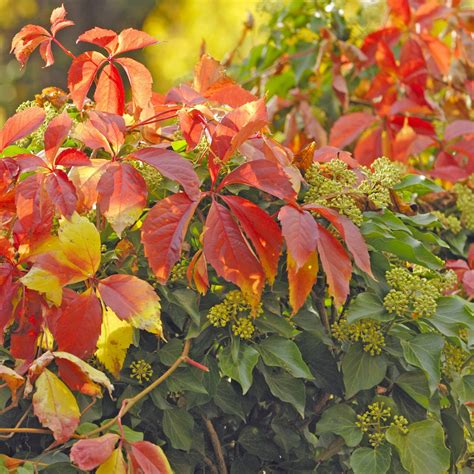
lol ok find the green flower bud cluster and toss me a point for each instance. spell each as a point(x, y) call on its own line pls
point(151, 175)
point(377, 420)
point(416, 292)
point(382, 176)
point(334, 185)
point(465, 204)
point(141, 370)
point(367, 331)
point(454, 360)
point(178, 272)
point(36, 139)
point(236, 309)
point(451, 223)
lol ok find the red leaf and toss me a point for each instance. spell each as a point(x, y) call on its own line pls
point(122, 195)
point(459, 128)
point(301, 233)
point(401, 10)
point(438, 51)
point(140, 81)
point(264, 175)
point(101, 37)
point(336, 265)
point(27, 40)
point(328, 153)
point(227, 250)
point(385, 58)
point(131, 39)
point(390, 35)
point(261, 229)
point(132, 300)
point(72, 157)
point(197, 272)
point(369, 147)
point(8, 292)
point(164, 230)
point(55, 135)
point(191, 125)
point(81, 75)
point(423, 127)
point(348, 127)
point(350, 233)
point(173, 166)
point(20, 125)
point(61, 192)
point(301, 281)
point(78, 325)
point(237, 126)
point(87, 454)
point(148, 458)
point(102, 130)
point(110, 93)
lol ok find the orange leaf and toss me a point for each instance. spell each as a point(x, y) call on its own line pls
point(301, 280)
point(348, 127)
point(148, 458)
point(20, 125)
point(12, 379)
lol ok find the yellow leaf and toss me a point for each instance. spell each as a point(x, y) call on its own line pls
point(115, 338)
point(12, 379)
point(55, 406)
point(80, 243)
point(72, 257)
point(115, 463)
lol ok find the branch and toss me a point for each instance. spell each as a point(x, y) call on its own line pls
point(216, 444)
point(128, 403)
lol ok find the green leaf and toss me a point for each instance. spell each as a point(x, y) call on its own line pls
point(367, 306)
point(321, 362)
point(285, 387)
point(241, 369)
point(187, 299)
point(341, 420)
point(228, 400)
point(178, 426)
point(276, 324)
point(254, 441)
point(371, 461)
point(463, 388)
point(424, 352)
point(418, 184)
point(187, 378)
point(422, 450)
point(361, 371)
point(414, 383)
point(279, 352)
point(170, 351)
point(452, 314)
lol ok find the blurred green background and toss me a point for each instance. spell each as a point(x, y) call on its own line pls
point(182, 26)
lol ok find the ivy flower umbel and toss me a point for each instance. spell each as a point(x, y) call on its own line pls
point(377, 420)
point(141, 370)
point(367, 331)
point(416, 292)
point(465, 202)
point(235, 309)
point(454, 360)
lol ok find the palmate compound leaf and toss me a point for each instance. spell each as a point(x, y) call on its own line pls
point(115, 338)
point(132, 300)
point(164, 230)
point(73, 256)
point(55, 406)
point(90, 453)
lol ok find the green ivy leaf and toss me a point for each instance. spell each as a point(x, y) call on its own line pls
point(414, 383)
point(424, 352)
point(371, 461)
point(422, 450)
point(178, 426)
point(361, 371)
point(367, 306)
point(187, 299)
point(241, 369)
point(285, 387)
point(452, 314)
point(276, 324)
point(463, 388)
point(279, 352)
point(341, 420)
point(228, 400)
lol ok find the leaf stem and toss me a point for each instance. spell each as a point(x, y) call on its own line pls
point(216, 444)
point(65, 50)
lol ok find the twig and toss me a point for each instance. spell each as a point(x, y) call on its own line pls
point(216, 444)
point(210, 465)
point(128, 403)
point(20, 421)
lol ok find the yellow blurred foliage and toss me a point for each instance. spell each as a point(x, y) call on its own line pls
point(182, 25)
